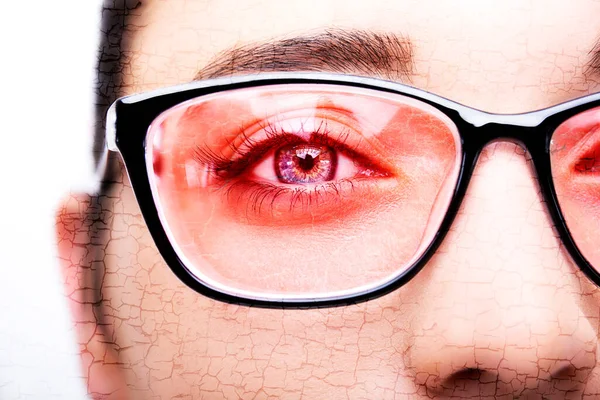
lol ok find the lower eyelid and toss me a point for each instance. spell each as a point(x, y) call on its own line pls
point(297, 205)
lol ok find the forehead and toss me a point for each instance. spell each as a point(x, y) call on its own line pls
point(501, 56)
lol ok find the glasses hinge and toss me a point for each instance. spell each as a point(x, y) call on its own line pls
point(111, 128)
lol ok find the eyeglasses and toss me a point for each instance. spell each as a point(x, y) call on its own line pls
point(309, 189)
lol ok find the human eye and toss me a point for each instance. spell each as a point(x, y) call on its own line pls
point(575, 149)
point(290, 166)
point(589, 161)
point(301, 188)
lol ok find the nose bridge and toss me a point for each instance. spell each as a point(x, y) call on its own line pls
point(503, 212)
point(535, 298)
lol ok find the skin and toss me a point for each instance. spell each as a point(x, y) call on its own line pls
point(500, 311)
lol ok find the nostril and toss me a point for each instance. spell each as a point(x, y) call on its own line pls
point(470, 374)
point(477, 374)
point(466, 373)
point(467, 382)
point(563, 370)
point(464, 383)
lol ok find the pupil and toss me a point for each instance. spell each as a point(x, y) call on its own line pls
point(307, 163)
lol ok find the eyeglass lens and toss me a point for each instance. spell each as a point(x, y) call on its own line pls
point(303, 189)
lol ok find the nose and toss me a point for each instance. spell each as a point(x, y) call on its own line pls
point(503, 310)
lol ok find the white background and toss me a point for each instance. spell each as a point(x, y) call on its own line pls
point(47, 57)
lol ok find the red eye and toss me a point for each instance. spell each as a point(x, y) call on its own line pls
point(307, 163)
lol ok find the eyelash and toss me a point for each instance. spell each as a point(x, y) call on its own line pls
point(224, 170)
point(249, 151)
point(256, 195)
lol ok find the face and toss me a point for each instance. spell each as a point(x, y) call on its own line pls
point(500, 310)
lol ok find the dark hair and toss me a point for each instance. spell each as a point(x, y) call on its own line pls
point(112, 62)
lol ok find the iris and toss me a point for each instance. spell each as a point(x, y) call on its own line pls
point(305, 163)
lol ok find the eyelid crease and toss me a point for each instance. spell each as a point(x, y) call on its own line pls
point(583, 145)
point(297, 200)
point(589, 143)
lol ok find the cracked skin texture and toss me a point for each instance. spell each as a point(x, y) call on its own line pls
point(500, 311)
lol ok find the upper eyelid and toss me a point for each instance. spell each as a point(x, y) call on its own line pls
point(583, 145)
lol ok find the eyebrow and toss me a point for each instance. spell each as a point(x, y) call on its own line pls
point(360, 52)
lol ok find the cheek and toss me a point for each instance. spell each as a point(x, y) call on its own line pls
point(172, 341)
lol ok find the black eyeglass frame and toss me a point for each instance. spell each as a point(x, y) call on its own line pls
point(129, 118)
